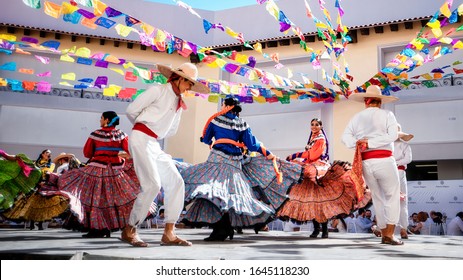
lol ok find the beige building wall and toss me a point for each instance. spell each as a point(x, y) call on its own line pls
point(363, 59)
point(363, 63)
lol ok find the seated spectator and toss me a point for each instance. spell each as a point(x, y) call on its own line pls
point(413, 221)
point(368, 214)
point(350, 222)
point(422, 227)
point(455, 227)
point(159, 219)
point(436, 226)
point(362, 223)
point(436, 217)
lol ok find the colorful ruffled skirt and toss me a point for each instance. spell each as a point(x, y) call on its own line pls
point(43, 205)
point(323, 198)
point(37, 207)
point(102, 195)
point(217, 186)
point(261, 173)
point(221, 185)
point(14, 182)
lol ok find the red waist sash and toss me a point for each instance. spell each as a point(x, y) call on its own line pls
point(376, 154)
point(143, 128)
point(401, 167)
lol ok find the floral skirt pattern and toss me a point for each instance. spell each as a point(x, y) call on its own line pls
point(217, 186)
point(102, 196)
point(13, 182)
point(333, 194)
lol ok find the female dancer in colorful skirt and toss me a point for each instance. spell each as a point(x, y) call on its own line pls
point(326, 190)
point(18, 177)
point(219, 192)
point(46, 202)
point(105, 191)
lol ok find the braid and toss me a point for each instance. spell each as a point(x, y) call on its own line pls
point(325, 156)
point(310, 137)
point(220, 113)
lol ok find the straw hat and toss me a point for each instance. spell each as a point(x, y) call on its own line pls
point(372, 92)
point(404, 136)
point(187, 71)
point(62, 155)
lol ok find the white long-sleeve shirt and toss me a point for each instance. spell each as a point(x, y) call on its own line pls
point(157, 109)
point(377, 125)
point(402, 152)
point(455, 227)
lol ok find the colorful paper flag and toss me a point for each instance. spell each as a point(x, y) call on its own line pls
point(43, 59)
point(52, 9)
point(9, 66)
point(44, 74)
point(32, 3)
point(26, 71)
point(43, 86)
point(71, 76)
point(129, 76)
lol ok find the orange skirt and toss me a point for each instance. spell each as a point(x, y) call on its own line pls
point(321, 199)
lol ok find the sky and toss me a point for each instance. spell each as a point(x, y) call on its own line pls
point(211, 5)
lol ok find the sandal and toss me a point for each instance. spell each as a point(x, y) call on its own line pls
point(391, 241)
point(135, 242)
point(176, 242)
point(377, 233)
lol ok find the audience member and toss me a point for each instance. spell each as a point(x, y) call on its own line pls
point(436, 225)
point(413, 220)
point(421, 226)
point(362, 223)
point(455, 227)
point(368, 214)
point(62, 162)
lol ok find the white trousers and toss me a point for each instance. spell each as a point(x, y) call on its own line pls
point(155, 168)
point(382, 177)
point(403, 220)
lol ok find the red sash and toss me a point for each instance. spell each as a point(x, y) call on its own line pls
point(143, 128)
point(376, 154)
point(401, 167)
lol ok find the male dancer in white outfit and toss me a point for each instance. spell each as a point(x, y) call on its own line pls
point(374, 130)
point(156, 115)
point(403, 156)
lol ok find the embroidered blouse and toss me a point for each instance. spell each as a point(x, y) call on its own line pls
point(103, 146)
point(316, 148)
point(230, 126)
